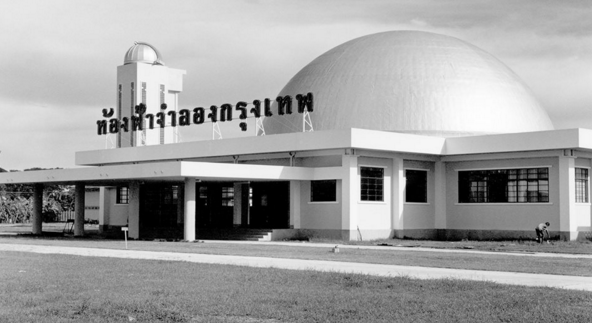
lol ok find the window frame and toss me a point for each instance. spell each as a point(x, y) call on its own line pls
point(333, 184)
point(122, 198)
point(425, 184)
point(531, 185)
point(586, 185)
point(378, 181)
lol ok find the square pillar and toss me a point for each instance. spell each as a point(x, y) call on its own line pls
point(238, 205)
point(37, 225)
point(180, 203)
point(133, 217)
point(350, 195)
point(440, 195)
point(567, 225)
point(104, 203)
point(295, 204)
point(190, 206)
point(398, 197)
point(79, 191)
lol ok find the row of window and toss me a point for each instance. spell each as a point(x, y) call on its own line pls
point(525, 185)
point(372, 186)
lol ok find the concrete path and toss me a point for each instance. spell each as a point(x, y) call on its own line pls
point(558, 281)
point(402, 248)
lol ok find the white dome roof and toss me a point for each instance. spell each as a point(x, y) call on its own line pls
point(414, 82)
point(143, 53)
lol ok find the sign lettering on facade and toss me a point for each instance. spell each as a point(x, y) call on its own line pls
point(186, 117)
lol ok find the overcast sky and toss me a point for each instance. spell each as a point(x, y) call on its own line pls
point(59, 58)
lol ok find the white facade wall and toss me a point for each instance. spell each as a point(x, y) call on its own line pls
point(92, 204)
point(374, 219)
point(118, 213)
point(487, 218)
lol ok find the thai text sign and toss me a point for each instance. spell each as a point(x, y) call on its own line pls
point(186, 117)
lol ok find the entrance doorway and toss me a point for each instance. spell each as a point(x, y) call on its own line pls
point(265, 205)
point(270, 208)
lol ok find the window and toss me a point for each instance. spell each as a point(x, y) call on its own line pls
point(526, 185)
point(371, 183)
point(416, 186)
point(227, 196)
point(582, 185)
point(323, 191)
point(122, 195)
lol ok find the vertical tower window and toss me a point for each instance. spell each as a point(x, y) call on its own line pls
point(582, 185)
point(161, 102)
point(133, 104)
point(144, 120)
point(119, 113)
point(372, 184)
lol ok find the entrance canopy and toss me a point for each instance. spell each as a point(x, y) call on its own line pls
point(166, 171)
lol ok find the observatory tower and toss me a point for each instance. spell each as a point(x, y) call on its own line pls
point(144, 78)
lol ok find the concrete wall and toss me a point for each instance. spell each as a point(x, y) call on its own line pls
point(92, 204)
point(420, 215)
point(374, 219)
point(319, 215)
point(501, 217)
point(118, 213)
point(583, 211)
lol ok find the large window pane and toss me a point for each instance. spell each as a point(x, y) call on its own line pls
point(371, 183)
point(527, 185)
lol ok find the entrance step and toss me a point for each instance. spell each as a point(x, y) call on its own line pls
point(234, 234)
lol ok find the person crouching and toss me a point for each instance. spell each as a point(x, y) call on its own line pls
point(541, 230)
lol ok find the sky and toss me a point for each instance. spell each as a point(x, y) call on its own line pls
point(58, 59)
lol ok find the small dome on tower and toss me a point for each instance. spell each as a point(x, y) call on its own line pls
point(143, 53)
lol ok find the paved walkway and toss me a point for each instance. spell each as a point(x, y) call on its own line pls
point(558, 281)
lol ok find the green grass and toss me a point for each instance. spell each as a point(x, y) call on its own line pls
point(406, 257)
point(57, 288)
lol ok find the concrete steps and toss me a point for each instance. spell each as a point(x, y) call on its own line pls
point(234, 234)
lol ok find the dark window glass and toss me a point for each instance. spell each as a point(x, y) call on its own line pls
point(527, 185)
point(323, 191)
point(371, 183)
point(416, 186)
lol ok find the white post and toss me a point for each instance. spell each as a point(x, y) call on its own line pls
point(125, 229)
point(190, 205)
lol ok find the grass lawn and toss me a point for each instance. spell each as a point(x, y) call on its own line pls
point(407, 257)
point(58, 288)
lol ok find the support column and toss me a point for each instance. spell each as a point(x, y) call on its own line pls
point(37, 225)
point(133, 218)
point(79, 192)
point(295, 204)
point(350, 195)
point(104, 204)
point(238, 205)
point(398, 197)
point(567, 187)
point(440, 199)
point(180, 203)
point(189, 223)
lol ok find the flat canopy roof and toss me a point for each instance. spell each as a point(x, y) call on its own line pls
point(168, 171)
point(343, 139)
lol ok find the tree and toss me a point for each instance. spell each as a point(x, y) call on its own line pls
point(16, 201)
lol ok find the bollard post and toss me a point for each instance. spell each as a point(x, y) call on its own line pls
point(125, 229)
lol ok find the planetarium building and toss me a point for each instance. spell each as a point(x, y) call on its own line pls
point(396, 134)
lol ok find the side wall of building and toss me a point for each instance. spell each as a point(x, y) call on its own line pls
point(500, 220)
